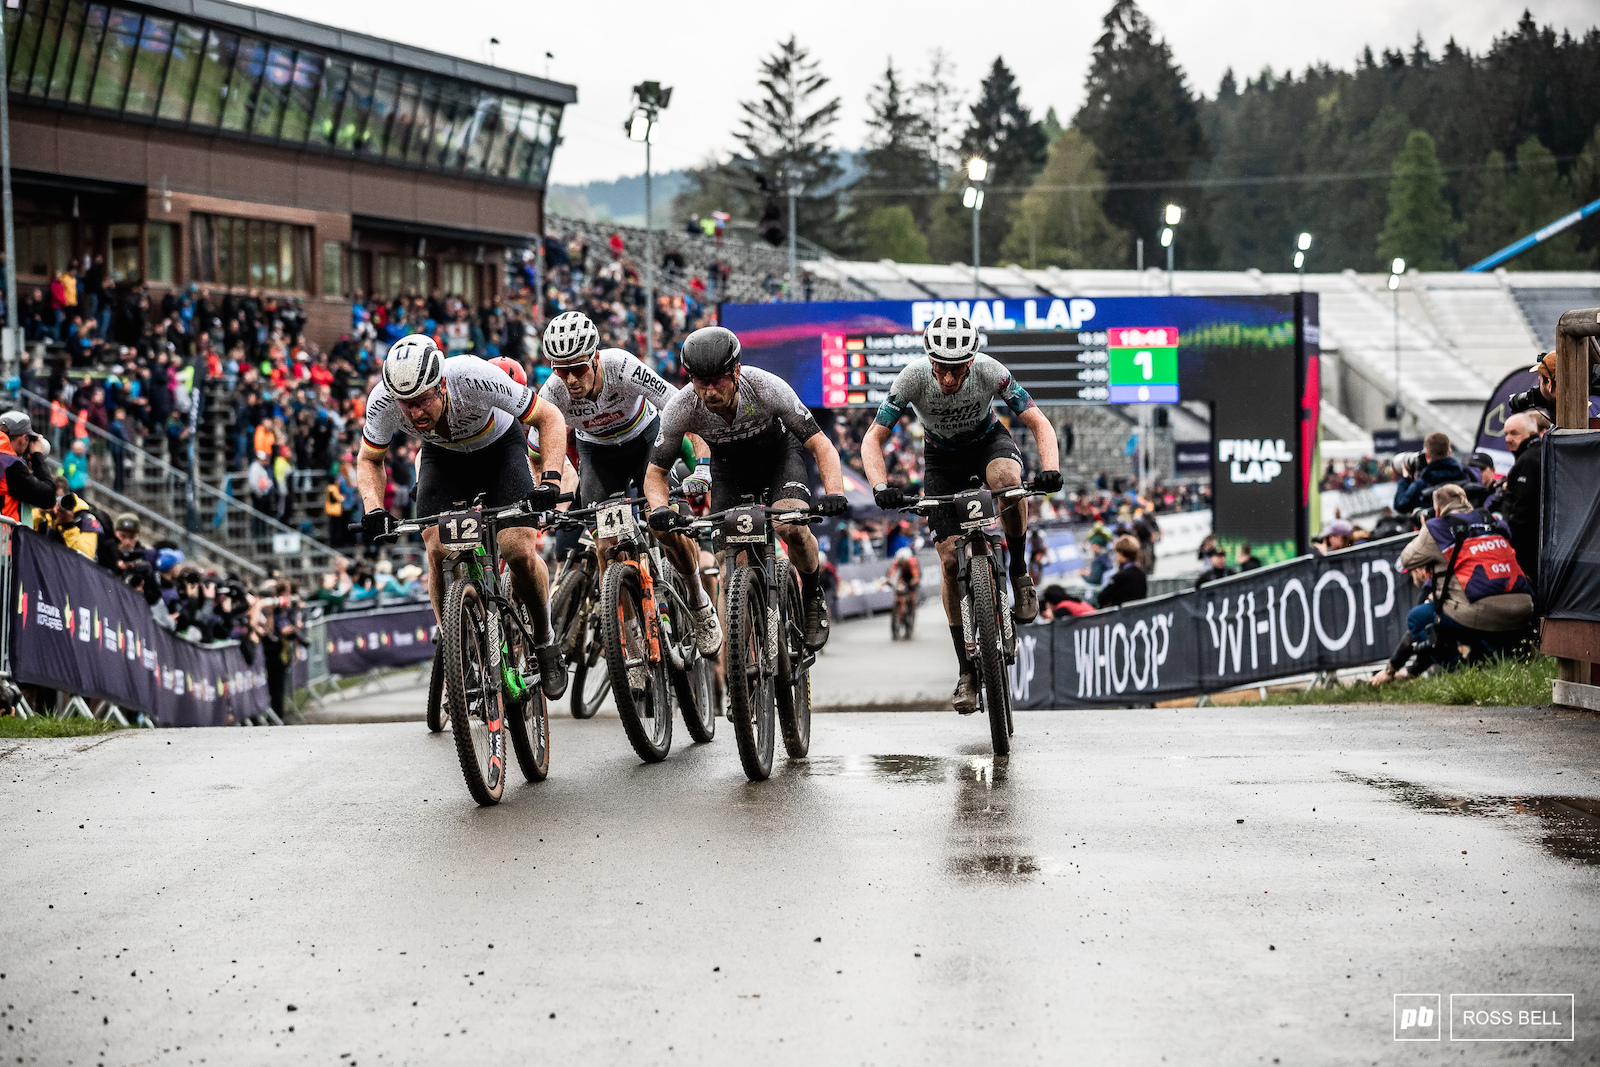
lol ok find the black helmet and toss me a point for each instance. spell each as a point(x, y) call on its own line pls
point(710, 351)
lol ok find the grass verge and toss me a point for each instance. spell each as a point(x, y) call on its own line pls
point(1503, 683)
point(45, 726)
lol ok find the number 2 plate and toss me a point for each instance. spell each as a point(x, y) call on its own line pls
point(974, 508)
point(461, 531)
point(615, 520)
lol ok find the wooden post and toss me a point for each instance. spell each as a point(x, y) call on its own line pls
point(1574, 346)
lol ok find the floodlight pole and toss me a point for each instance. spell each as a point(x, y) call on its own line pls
point(9, 366)
point(649, 256)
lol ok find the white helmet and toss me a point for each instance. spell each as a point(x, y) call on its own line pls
point(570, 338)
point(904, 553)
point(413, 366)
point(950, 339)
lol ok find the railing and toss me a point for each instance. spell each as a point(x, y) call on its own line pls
point(194, 546)
point(165, 488)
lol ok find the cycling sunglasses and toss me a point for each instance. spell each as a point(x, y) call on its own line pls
point(715, 379)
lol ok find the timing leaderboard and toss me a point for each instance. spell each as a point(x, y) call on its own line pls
point(1116, 366)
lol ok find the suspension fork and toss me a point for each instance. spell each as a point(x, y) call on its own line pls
point(647, 588)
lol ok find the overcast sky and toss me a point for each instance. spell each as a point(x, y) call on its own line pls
point(709, 52)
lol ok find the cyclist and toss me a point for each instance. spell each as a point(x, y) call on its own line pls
point(611, 398)
point(466, 412)
point(905, 578)
point(952, 391)
point(754, 427)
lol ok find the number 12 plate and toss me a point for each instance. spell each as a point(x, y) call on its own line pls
point(461, 531)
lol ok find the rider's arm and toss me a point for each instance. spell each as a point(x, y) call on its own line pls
point(872, 454)
point(827, 458)
point(696, 442)
point(370, 475)
point(656, 488)
point(546, 418)
point(1044, 435)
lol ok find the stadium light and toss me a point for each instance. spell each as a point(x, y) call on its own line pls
point(1397, 268)
point(1174, 214)
point(649, 99)
point(1304, 244)
point(972, 197)
point(1300, 262)
point(1166, 240)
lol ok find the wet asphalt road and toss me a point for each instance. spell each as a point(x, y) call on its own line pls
point(897, 899)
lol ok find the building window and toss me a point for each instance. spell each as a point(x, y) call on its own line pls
point(459, 279)
point(122, 253)
point(160, 242)
point(44, 250)
point(250, 253)
point(332, 272)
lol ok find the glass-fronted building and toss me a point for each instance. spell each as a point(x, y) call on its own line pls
point(204, 142)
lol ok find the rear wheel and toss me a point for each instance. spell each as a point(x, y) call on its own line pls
point(695, 687)
point(438, 714)
point(749, 673)
point(794, 672)
point(570, 622)
point(640, 687)
point(528, 718)
point(596, 684)
point(477, 717)
point(993, 682)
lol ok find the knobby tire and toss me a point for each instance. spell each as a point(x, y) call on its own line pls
point(991, 657)
point(476, 712)
point(794, 675)
point(749, 673)
point(648, 720)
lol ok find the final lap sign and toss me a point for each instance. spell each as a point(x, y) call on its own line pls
point(1308, 614)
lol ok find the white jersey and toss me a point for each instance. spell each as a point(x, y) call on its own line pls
point(481, 402)
point(625, 401)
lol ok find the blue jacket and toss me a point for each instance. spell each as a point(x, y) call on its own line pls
point(1413, 493)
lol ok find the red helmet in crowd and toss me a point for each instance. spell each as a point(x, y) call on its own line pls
point(511, 367)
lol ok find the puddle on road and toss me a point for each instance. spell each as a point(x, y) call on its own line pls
point(983, 845)
point(1569, 827)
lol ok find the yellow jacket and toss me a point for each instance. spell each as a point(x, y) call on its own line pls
point(81, 533)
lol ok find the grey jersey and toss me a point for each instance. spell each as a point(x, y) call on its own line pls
point(767, 406)
point(623, 405)
point(961, 418)
point(482, 402)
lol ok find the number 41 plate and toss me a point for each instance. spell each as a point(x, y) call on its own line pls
point(461, 531)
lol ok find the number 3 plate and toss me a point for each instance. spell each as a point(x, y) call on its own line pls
point(461, 531)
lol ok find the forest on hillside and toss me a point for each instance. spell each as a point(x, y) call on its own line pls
point(1437, 158)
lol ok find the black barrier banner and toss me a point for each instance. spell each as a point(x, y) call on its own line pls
point(80, 630)
point(1569, 572)
point(1308, 614)
point(358, 643)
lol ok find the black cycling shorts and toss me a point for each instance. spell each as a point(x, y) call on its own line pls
point(953, 471)
point(448, 480)
point(772, 466)
point(607, 469)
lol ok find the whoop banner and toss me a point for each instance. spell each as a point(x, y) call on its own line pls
point(77, 629)
point(1312, 613)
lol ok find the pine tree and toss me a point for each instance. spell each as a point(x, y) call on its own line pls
point(891, 233)
point(1060, 221)
point(941, 109)
point(1139, 113)
point(1420, 222)
point(1002, 131)
point(896, 163)
point(1537, 195)
point(1586, 190)
point(784, 137)
point(1052, 126)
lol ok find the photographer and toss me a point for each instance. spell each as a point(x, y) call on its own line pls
point(1481, 598)
point(1543, 396)
point(24, 479)
point(195, 610)
point(1437, 467)
point(1519, 496)
point(71, 523)
point(134, 563)
point(275, 625)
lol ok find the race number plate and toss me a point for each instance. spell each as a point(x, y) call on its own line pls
point(970, 510)
point(615, 520)
point(461, 531)
point(745, 526)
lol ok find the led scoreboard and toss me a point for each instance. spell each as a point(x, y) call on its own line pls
point(1054, 366)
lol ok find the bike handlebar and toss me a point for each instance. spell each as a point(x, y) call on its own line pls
point(1009, 493)
point(517, 509)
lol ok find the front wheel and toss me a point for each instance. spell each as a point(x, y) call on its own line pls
point(695, 687)
point(477, 715)
point(438, 714)
point(996, 686)
point(749, 672)
point(570, 622)
point(794, 671)
point(640, 687)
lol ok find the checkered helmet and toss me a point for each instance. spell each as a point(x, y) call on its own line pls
point(951, 339)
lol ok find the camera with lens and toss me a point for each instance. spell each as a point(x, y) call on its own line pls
point(1406, 464)
point(1517, 403)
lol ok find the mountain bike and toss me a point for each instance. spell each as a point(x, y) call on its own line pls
point(986, 624)
point(648, 634)
point(765, 662)
point(576, 621)
point(491, 684)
